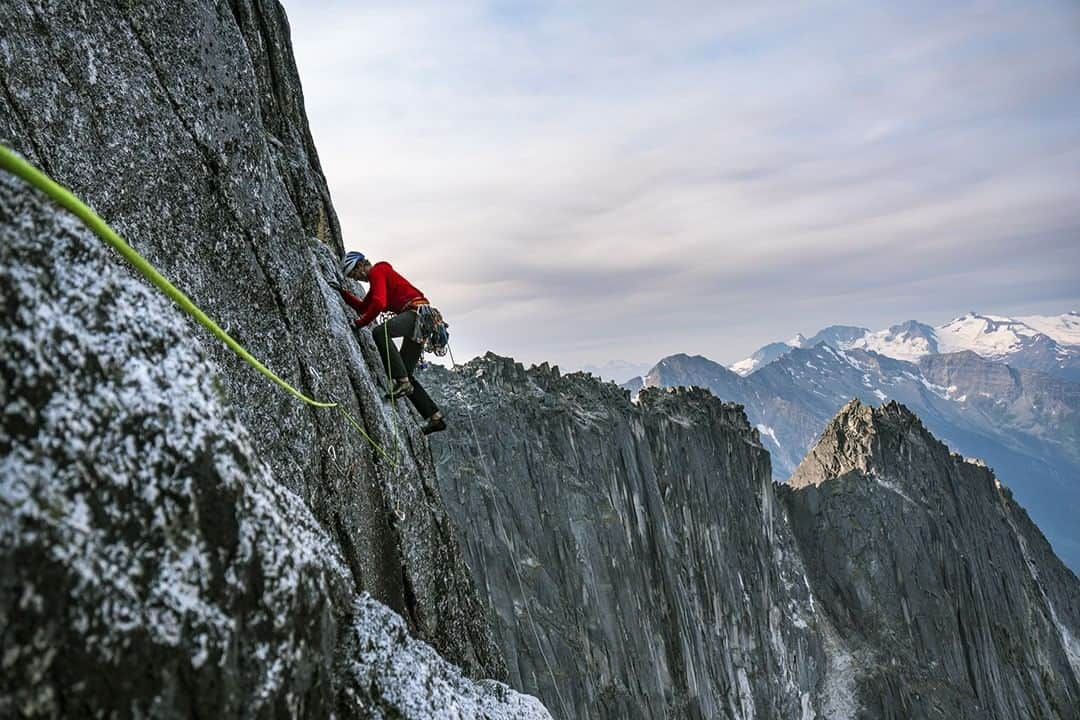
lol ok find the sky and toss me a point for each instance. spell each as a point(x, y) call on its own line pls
point(581, 182)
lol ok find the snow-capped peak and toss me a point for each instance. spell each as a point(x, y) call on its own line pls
point(745, 366)
point(988, 335)
point(1048, 342)
point(763, 356)
point(907, 341)
point(1064, 329)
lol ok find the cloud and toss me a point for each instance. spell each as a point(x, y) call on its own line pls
point(585, 182)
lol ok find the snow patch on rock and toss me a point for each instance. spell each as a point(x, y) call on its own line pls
point(138, 526)
point(408, 679)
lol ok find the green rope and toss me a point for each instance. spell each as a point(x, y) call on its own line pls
point(19, 167)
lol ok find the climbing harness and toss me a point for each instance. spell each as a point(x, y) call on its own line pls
point(16, 165)
point(429, 332)
point(510, 546)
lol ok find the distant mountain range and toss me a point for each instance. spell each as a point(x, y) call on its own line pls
point(1038, 342)
point(1024, 423)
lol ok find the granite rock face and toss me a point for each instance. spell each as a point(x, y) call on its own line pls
point(945, 593)
point(635, 559)
point(151, 564)
point(182, 124)
point(640, 562)
point(1025, 424)
point(178, 537)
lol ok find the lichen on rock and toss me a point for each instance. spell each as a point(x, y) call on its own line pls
point(182, 124)
point(151, 563)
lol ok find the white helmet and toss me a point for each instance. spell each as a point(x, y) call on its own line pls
point(351, 260)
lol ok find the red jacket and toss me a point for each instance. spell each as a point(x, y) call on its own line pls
point(386, 291)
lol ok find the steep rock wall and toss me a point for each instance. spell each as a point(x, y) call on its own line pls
point(894, 580)
point(150, 563)
point(949, 598)
point(1025, 424)
point(182, 124)
point(634, 557)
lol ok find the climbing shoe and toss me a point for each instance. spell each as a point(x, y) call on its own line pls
point(402, 388)
point(433, 425)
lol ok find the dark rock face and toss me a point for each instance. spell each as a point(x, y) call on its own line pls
point(182, 124)
point(640, 564)
point(949, 600)
point(138, 527)
point(150, 563)
point(634, 557)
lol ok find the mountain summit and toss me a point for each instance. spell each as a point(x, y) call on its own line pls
point(921, 559)
point(1038, 342)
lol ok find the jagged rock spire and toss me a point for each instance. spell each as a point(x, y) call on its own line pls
point(921, 559)
point(860, 437)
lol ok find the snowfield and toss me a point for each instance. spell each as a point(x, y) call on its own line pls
point(991, 336)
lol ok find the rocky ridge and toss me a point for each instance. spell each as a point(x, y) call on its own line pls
point(947, 595)
point(1024, 423)
point(817, 600)
point(634, 558)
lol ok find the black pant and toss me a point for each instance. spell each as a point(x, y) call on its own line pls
point(403, 363)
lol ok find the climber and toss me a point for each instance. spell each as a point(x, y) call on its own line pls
point(419, 324)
